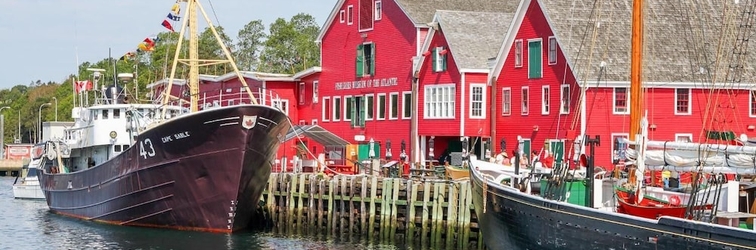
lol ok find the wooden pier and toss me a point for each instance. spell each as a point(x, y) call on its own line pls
point(426, 213)
point(11, 167)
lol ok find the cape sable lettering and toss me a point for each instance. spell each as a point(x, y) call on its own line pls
point(371, 83)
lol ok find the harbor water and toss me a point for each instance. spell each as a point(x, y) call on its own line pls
point(27, 224)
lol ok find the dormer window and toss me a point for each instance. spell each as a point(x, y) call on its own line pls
point(439, 59)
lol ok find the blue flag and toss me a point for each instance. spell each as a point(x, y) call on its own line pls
point(174, 18)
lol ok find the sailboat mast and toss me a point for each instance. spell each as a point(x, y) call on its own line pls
point(193, 56)
point(636, 51)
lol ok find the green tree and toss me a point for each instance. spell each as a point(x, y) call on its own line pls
point(249, 42)
point(291, 45)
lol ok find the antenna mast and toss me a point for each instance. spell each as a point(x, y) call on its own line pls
point(194, 62)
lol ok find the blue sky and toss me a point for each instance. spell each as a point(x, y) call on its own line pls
point(40, 37)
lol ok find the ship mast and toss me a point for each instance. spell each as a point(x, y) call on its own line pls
point(636, 50)
point(194, 62)
point(636, 96)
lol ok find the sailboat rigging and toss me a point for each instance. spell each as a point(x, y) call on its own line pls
point(512, 218)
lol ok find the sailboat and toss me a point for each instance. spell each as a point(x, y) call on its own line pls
point(512, 219)
point(162, 165)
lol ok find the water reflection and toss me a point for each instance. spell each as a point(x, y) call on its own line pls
point(27, 224)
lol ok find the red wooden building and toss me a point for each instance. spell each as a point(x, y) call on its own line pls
point(512, 71)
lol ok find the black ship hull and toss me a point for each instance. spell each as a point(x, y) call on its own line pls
point(203, 171)
point(510, 219)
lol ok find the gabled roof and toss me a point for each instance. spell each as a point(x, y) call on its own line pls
point(421, 12)
point(317, 133)
point(681, 38)
point(473, 37)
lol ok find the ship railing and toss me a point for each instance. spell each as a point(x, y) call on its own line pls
point(235, 96)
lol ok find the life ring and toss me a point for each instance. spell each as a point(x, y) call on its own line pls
point(674, 200)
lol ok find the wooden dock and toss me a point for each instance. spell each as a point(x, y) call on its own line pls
point(427, 213)
point(10, 167)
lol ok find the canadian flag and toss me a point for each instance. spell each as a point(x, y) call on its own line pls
point(81, 86)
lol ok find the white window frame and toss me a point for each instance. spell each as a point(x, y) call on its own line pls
point(545, 99)
point(314, 91)
point(333, 108)
point(444, 108)
point(281, 104)
point(552, 50)
point(679, 135)
point(378, 7)
point(230, 102)
point(380, 116)
point(690, 95)
point(314, 122)
point(518, 53)
point(345, 107)
point(342, 16)
point(439, 63)
point(405, 100)
point(564, 100)
point(482, 102)
point(324, 108)
point(506, 101)
point(350, 15)
point(302, 93)
point(525, 101)
point(392, 96)
point(367, 111)
point(627, 101)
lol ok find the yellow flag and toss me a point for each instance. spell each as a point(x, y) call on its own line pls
point(176, 9)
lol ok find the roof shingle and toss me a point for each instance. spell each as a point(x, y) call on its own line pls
point(422, 11)
point(474, 37)
point(680, 38)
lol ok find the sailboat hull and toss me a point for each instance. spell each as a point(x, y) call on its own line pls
point(510, 219)
point(203, 171)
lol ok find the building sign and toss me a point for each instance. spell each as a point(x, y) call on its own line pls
point(18, 151)
point(370, 83)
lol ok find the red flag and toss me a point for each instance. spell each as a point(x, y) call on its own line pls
point(81, 86)
point(149, 42)
point(167, 25)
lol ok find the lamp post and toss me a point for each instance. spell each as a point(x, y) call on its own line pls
point(18, 132)
point(2, 132)
point(56, 108)
point(39, 121)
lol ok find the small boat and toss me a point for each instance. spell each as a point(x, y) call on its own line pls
point(26, 185)
point(457, 172)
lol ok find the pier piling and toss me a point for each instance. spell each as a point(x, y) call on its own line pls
point(426, 213)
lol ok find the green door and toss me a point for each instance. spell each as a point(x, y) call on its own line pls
point(363, 151)
point(526, 149)
point(535, 59)
point(557, 151)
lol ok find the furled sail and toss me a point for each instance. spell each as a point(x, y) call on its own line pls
point(686, 156)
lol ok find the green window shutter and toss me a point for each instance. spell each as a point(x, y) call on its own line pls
point(372, 60)
point(526, 149)
point(535, 55)
point(354, 120)
point(362, 113)
point(360, 61)
point(435, 53)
